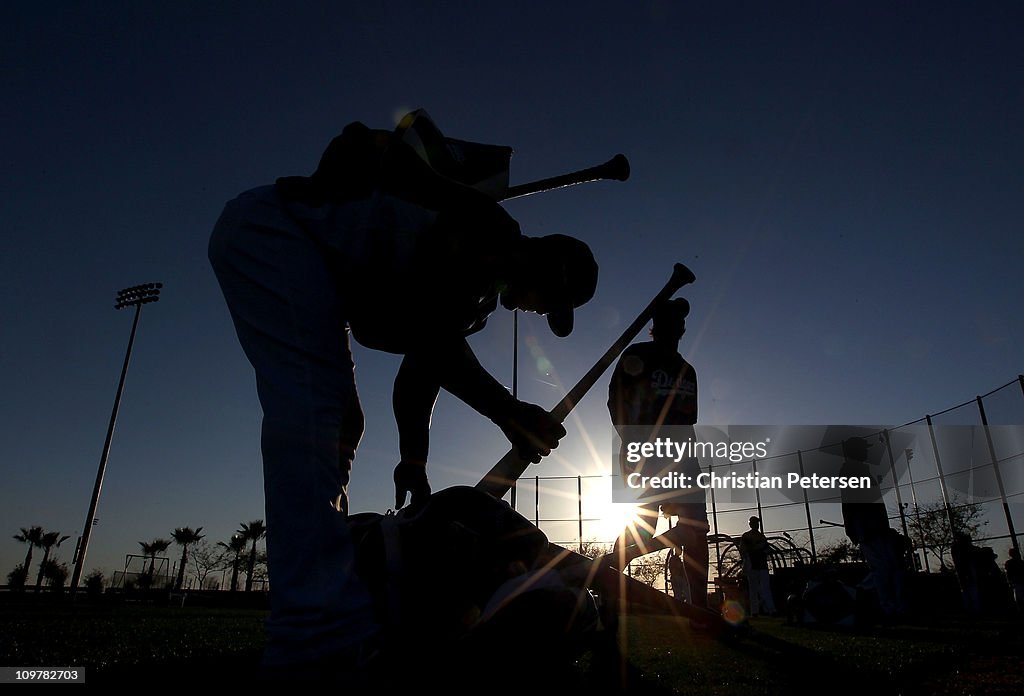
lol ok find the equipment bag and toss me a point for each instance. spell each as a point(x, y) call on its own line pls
point(431, 571)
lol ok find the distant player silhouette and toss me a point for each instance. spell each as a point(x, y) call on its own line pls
point(754, 550)
point(677, 575)
point(1014, 568)
point(388, 238)
point(652, 388)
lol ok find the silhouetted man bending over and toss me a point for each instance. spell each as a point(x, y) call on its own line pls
point(653, 388)
point(388, 240)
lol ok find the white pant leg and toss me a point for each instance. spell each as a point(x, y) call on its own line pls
point(753, 590)
point(759, 589)
point(764, 590)
point(289, 319)
point(886, 573)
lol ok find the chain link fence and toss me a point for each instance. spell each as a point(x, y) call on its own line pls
point(964, 464)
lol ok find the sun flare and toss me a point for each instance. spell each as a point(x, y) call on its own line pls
point(611, 519)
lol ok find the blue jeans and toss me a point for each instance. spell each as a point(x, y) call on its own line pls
point(290, 320)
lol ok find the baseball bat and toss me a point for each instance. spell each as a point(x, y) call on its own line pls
point(616, 168)
point(508, 470)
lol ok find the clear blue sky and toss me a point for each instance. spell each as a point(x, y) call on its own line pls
point(844, 178)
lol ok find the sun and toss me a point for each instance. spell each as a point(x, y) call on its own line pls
point(606, 519)
point(610, 519)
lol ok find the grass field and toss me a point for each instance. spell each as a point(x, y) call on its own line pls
point(941, 658)
point(166, 644)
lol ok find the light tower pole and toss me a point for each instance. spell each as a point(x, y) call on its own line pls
point(129, 297)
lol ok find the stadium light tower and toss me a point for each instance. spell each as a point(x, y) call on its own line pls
point(129, 297)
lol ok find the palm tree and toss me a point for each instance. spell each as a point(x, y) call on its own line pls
point(47, 542)
point(184, 537)
point(150, 550)
point(33, 536)
point(254, 531)
point(235, 546)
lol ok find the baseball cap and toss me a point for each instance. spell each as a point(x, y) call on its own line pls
point(855, 444)
point(672, 311)
point(566, 274)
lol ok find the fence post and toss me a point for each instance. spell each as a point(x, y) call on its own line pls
point(757, 494)
point(896, 483)
point(807, 509)
point(513, 493)
point(942, 476)
point(909, 454)
point(714, 522)
point(536, 501)
point(999, 477)
point(579, 506)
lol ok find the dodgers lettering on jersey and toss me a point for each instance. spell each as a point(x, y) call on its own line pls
point(652, 386)
point(677, 386)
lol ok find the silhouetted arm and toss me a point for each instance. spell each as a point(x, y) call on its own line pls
point(415, 392)
point(450, 363)
point(616, 395)
point(530, 429)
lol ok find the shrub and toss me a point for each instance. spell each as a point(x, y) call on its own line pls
point(94, 582)
point(16, 578)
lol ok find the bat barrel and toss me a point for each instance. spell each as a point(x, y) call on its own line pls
point(616, 168)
